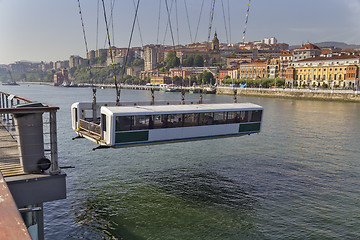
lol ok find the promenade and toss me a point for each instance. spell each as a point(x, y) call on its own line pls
point(296, 93)
point(314, 94)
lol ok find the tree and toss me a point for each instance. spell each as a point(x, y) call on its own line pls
point(137, 62)
point(198, 61)
point(172, 60)
point(208, 78)
point(188, 62)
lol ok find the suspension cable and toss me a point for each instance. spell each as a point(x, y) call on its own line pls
point(246, 21)
point(177, 22)
point(111, 57)
point(131, 35)
point(97, 24)
point(226, 31)
point(188, 21)
point(197, 27)
point(211, 19)
point(88, 61)
point(111, 21)
point(169, 19)
point(158, 28)
point(229, 21)
point(167, 23)
point(138, 23)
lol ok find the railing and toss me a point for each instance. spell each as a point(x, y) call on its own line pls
point(316, 90)
point(90, 127)
point(27, 133)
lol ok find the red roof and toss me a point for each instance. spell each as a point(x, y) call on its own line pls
point(310, 46)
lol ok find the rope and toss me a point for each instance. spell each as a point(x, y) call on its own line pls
point(197, 28)
point(246, 21)
point(87, 52)
point(188, 21)
point(111, 57)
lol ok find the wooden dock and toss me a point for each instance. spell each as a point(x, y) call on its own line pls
point(9, 154)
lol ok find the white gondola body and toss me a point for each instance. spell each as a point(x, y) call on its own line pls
point(122, 126)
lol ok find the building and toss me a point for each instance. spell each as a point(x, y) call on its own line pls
point(269, 40)
point(254, 70)
point(133, 71)
point(335, 72)
point(61, 77)
point(179, 72)
point(91, 54)
point(306, 51)
point(58, 78)
point(61, 64)
point(273, 68)
point(101, 52)
point(231, 72)
point(210, 54)
point(160, 80)
point(285, 61)
point(116, 60)
point(150, 57)
point(74, 61)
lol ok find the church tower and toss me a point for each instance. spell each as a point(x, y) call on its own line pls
point(215, 43)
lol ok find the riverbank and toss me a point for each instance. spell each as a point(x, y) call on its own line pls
point(332, 95)
point(311, 94)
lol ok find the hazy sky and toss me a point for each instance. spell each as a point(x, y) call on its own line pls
point(50, 30)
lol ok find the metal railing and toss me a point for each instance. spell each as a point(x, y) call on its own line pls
point(14, 129)
point(90, 127)
point(314, 90)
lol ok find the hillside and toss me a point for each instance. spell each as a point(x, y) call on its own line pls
point(341, 45)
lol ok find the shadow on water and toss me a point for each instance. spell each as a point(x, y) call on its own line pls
point(206, 188)
point(162, 204)
point(96, 222)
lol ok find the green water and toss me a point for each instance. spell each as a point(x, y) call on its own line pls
point(298, 179)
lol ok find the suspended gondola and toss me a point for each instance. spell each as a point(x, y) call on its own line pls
point(131, 125)
point(115, 124)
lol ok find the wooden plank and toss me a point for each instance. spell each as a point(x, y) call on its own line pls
point(9, 154)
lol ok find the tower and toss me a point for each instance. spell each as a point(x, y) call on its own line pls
point(215, 43)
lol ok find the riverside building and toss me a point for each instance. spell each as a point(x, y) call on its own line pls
point(335, 72)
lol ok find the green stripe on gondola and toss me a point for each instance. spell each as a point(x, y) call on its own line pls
point(250, 127)
point(131, 136)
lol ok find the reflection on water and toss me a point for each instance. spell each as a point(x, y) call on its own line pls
point(299, 178)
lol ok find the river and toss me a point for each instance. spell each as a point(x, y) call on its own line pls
point(298, 179)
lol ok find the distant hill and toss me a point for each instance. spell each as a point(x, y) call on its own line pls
point(341, 45)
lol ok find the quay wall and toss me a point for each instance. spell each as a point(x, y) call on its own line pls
point(332, 95)
point(335, 95)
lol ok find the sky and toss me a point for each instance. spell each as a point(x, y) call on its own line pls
point(50, 30)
